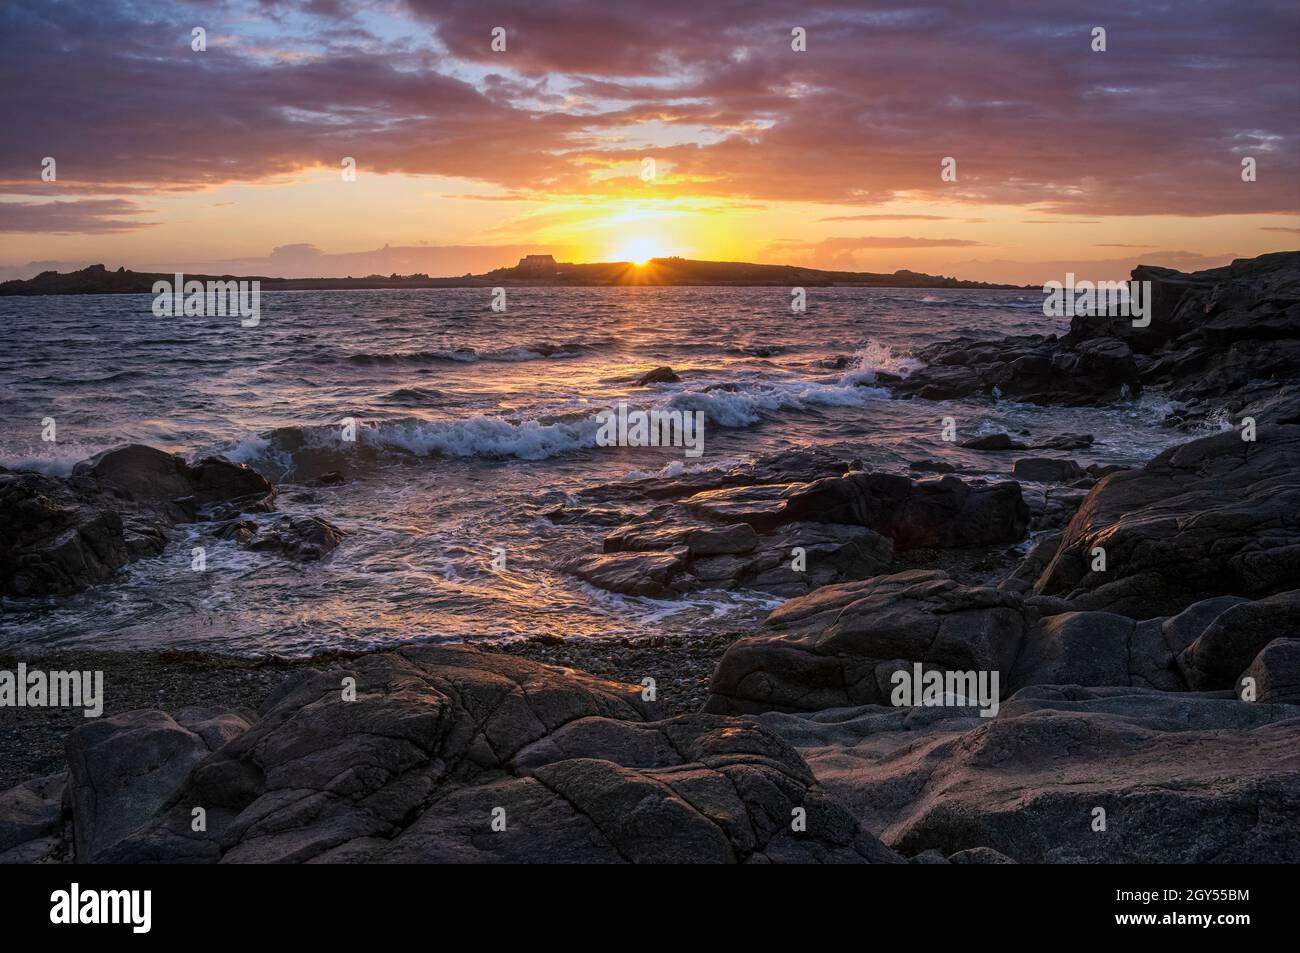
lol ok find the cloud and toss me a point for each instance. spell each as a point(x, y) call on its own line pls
point(1157, 125)
point(885, 217)
point(852, 244)
point(87, 216)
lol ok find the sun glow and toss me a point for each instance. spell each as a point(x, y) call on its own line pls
point(639, 251)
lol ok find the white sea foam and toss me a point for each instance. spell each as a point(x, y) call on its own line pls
point(52, 459)
point(875, 358)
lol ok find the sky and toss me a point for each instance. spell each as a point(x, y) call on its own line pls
point(625, 129)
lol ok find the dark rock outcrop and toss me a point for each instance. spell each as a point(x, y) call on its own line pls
point(1046, 470)
point(61, 535)
point(303, 538)
point(840, 646)
point(56, 540)
point(791, 538)
point(660, 375)
point(449, 754)
point(1217, 516)
point(1216, 340)
point(1236, 636)
point(121, 770)
point(1177, 778)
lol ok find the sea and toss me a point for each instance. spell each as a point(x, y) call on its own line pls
point(471, 426)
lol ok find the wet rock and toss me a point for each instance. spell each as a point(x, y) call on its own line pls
point(302, 538)
point(215, 480)
point(632, 573)
point(698, 540)
point(786, 466)
point(660, 375)
point(61, 535)
point(54, 541)
point(763, 507)
point(140, 471)
point(790, 560)
point(1046, 470)
point(788, 538)
point(994, 441)
point(241, 531)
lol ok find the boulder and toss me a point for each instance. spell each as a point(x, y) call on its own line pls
point(53, 541)
point(304, 538)
point(838, 646)
point(32, 820)
point(660, 375)
point(993, 441)
point(1276, 671)
point(632, 573)
point(122, 770)
point(1236, 636)
point(933, 511)
point(1046, 470)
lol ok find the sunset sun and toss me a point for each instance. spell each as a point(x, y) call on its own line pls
point(639, 251)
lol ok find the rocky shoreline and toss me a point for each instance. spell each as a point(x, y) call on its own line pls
point(1142, 629)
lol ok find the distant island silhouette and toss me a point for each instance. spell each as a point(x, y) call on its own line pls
point(532, 271)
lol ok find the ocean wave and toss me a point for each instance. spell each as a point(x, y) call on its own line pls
point(290, 453)
point(413, 396)
point(747, 404)
point(302, 452)
point(55, 459)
